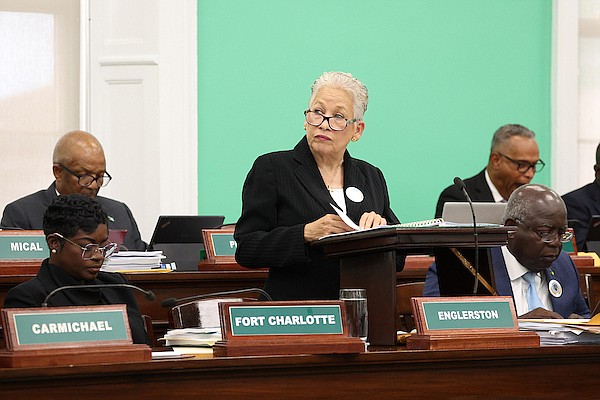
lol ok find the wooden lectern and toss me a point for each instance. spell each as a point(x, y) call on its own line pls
point(368, 260)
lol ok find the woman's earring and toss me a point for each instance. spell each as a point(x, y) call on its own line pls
point(54, 251)
point(354, 139)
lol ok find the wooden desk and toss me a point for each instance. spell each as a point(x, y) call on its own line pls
point(220, 277)
point(544, 373)
point(212, 278)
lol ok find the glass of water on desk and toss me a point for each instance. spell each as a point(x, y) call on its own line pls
point(355, 303)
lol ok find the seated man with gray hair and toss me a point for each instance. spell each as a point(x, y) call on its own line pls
point(532, 268)
point(513, 161)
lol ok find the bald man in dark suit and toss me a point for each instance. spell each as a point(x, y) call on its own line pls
point(79, 166)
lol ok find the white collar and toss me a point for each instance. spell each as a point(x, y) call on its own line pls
point(495, 193)
point(514, 268)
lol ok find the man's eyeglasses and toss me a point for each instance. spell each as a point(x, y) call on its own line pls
point(86, 180)
point(524, 166)
point(335, 122)
point(89, 251)
point(548, 237)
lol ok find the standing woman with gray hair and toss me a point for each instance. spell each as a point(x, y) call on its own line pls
point(288, 195)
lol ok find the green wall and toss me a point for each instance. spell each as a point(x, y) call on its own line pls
point(442, 75)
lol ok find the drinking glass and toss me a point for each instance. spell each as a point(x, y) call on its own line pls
point(355, 303)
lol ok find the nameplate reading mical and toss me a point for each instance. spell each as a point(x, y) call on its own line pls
point(67, 326)
point(285, 320)
point(23, 247)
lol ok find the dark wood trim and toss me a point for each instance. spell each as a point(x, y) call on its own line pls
point(490, 374)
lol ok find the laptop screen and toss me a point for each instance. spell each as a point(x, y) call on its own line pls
point(485, 213)
point(183, 228)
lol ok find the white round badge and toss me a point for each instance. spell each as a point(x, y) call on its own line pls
point(555, 288)
point(354, 194)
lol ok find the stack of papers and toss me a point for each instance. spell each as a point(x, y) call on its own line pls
point(429, 223)
point(136, 261)
point(194, 337)
point(554, 332)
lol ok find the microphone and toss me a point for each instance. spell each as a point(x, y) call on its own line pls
point(172, 301)
point(461, 185)
point(149, 295)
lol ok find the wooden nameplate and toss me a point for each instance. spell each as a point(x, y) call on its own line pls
point(54, 336)
point(287, 345)
point(321, 330)
point(457, 323)
point(75, 356)
point(22, 251)
point(219, 245)
point(473, 341)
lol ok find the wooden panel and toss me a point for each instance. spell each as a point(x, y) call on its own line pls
point(490, 374)
point(220, 277)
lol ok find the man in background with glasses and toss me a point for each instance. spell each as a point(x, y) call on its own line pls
point(514, 160)
point(79, 166)
point(532, 268)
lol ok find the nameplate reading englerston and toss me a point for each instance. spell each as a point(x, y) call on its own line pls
point(469, 322)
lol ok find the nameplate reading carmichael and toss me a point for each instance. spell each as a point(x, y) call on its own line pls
point(465, 314)
point(285, 320)
point(29, 328)
point(23, 247)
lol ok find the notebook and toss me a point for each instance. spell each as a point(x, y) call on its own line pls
point(485, 213)
point(180, 238)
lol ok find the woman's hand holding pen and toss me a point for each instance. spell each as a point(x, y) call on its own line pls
point(371, 220)
point(331, 224)
point(326, 225)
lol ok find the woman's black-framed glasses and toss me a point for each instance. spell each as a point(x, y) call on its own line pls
point(524, 166)
point(335, 122)
point(89, 251)
point(549, 237)
point(86, 180)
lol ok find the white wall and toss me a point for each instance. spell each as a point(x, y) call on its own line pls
point(142, 103)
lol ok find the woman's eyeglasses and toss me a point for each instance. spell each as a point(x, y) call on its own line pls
point(335, 122)
point(89, 251)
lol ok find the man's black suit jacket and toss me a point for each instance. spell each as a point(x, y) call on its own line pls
point(582, 204)
point(28, 213)
point(477, 187)
point(282, 193)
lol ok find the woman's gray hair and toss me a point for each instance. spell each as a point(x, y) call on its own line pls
point(344, 81)
point(523, 201)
